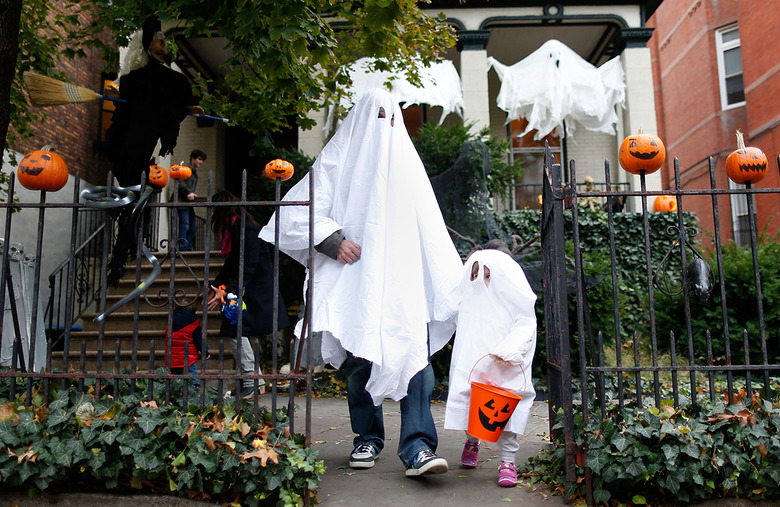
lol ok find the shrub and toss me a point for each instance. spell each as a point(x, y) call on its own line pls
point(134, 442)
point(670, 455)
point(740, 297)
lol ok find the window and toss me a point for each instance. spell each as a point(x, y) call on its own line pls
point(739, 215)
point(528, 190)
point(732, 89)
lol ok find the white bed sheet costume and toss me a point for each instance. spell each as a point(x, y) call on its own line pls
point(499, 320)
point(371, 184)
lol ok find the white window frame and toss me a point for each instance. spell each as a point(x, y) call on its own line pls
point(722, 47)
point(739, 210)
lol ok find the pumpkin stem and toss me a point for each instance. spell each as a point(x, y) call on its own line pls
point(641, 129)
point(46, 148)
point(740, 140)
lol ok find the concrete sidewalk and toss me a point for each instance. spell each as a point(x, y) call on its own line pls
point(385, 483)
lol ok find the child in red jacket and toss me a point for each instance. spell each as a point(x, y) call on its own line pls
point(186, 329)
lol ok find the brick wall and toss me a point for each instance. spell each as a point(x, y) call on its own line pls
point(72, 129)
point(691, 120)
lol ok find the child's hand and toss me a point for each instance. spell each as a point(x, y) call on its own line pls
point(500, 361)
point(214, 298)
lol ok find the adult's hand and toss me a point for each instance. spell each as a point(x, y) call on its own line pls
point(195, 110)
point(349, 252)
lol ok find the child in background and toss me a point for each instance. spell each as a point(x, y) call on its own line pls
point(186, 329)
point(496, 318)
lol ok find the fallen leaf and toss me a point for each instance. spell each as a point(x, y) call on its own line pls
point(245, 428)
point(263, 455)
point(320, 441)
point(462, 476)
point(210, 444)
point(151, 404)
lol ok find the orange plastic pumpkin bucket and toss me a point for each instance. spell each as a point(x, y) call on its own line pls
point(489, 410)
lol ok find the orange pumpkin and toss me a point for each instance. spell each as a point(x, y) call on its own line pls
point(746, 165)
point(642, 153)
point(665, 203)
point(42, 170)
point(158, 178)
point(180, 171)
point(279, 169)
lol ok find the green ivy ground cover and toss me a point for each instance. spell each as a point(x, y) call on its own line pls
point(134, 442)
point(672, 456)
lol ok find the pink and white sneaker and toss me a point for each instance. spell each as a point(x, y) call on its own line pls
point(469, 458)
point(507, 475)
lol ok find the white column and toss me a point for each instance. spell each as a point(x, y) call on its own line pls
point(639, 112)
point(474, 76)
point(313, 140)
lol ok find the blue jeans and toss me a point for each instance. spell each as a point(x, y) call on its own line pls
point(192, 370)
point(187, 228)
point(418, 431)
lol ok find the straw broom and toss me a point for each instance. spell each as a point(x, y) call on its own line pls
point(46, 91)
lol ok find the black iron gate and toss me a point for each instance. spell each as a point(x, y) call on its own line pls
point(582, 359)
point(128, 355)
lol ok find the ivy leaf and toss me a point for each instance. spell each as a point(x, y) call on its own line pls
point(639, 500)
point(692, 450)
point(208, 462)
point(146, 423)
point(7, 435)
point(56, 416)
point(596, 462)
point(179, 460)
point(148, 461)
point(620, 442)
point(635, 468)
point(109, 437)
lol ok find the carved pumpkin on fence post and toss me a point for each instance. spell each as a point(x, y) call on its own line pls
point(42, 170)
point(642, 153)
point(280, 169)
point(180, 171)
point(746, 165)
point(158, 177)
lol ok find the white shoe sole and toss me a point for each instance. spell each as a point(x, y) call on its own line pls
point(435, 466)
point(361, 464)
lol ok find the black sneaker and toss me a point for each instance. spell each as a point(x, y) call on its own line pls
point(427, 463)
point(363, 456)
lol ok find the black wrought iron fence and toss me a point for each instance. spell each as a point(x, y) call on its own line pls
point(98, 335)
point(670, 336)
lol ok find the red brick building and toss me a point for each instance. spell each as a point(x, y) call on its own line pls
point(716, 69)
point(74, 130)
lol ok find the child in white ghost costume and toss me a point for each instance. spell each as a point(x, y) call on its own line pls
point(494, 344)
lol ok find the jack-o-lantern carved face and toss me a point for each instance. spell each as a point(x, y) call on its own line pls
point(42, 170)
point(280, 169)
point(158, 178)
point(746, 165)
point(494, 415)
point(642, 153)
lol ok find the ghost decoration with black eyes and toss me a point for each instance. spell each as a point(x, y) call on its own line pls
point(495, 341)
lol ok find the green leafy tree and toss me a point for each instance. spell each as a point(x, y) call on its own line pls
point(283, 59)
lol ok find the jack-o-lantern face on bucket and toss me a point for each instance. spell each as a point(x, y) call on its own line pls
point(494, 415)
